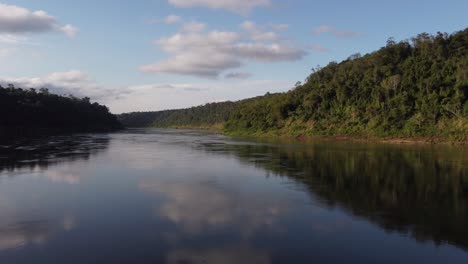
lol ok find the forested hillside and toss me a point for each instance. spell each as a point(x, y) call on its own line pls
point(206, 116)
point(27, 111)
point(417, 87)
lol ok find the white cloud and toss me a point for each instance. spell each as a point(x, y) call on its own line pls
point(198, 52)
point(18, 20)
point(325, 29)
point(73, 76)
point(257, 33)
point(69, 30)
point(275, 52)
point(195, 64)
point(172, 19)
point(237, 6)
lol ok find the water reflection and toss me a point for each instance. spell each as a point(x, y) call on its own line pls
point(22, 234)
point(193, 197)
point(40, 152)
point(67, 177)
point(230, 255)
point(200, 207)
point(418, 191)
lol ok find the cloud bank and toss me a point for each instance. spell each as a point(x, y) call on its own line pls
point(198, 52)
point(19, 20)
point(71, 82)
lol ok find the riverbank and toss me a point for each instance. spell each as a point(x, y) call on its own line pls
point(427, 140)
point(304, 137)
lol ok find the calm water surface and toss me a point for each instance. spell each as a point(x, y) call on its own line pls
point(166, 196)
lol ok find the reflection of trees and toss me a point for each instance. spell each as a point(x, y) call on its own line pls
point(41, 152)
point(418, 191)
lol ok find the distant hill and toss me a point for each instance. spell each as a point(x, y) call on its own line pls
point(27, 111)
point(206, 116)
point(412, 88)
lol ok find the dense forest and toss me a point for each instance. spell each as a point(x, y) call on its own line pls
point(25, 111)
point(207, 116)
point(412, 88)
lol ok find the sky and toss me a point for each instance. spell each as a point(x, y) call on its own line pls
point(150, 55)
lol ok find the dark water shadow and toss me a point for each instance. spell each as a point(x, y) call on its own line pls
point(41, 152)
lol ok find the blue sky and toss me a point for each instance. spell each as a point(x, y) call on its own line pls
point(161, 54)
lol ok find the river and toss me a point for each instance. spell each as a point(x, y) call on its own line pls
point(184, 196)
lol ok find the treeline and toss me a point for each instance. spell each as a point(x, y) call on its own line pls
point(207, 116)
point(417, 87)
point(25, 111)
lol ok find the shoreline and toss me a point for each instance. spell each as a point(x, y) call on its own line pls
point(416, 140)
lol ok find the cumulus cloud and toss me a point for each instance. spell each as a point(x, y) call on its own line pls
point(275, 52)
point(325, 29)
point(197, 64)
point(18, 20)
point(237, 6)
point(257, 33)
point(172, 19)
point(198, 52)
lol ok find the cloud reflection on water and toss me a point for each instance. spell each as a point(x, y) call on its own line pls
point(196, 206)
point(22, 234)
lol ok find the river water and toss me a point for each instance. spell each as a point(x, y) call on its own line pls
point(182, 196)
